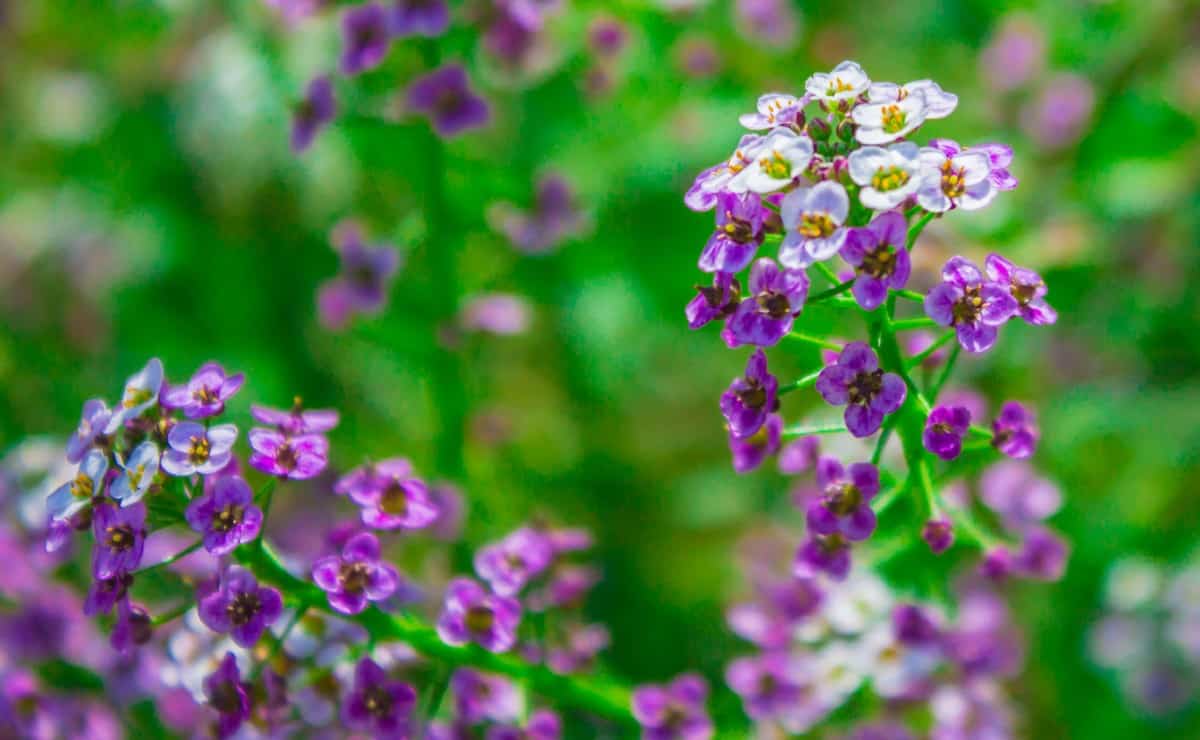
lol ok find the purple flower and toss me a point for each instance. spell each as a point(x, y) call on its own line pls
point(799, 455)
point(120, 536)
point(420, 18)
point(715, 302)
point(555, 216)
point(390, 496)
point(74, 496)
point(828, 554)
point(445, 96)
point(674, 711)
point(502, 314)
point(296, 420)
point(229, 695)
point(1015, 431)
point(775, 298)
point(750, 397)
point(512, 562)
point(104, 593)
point(856, 381)
point(1042, 557)
point(1015, 492)
point(132, 628)
point(945, 428)
point(739, 233)
point(364, 281)
point(512, 28)
point(770, 684)
point(607, 36)
point(1059, 115)
point(313, 113)
point(959, 181)
point(999, 157)
point(482, 696)
point(1026, 286)
point(225, 514)
point(770, 22)
point(357, 576)
point(879, 257)
point(543, 724)
point(578, 654)
point(365, 38)
point(472, 614)
point(298, 458)
point(1015, 53)
point(240, 607)
point(205, 394)
point(813, 218)
point(92, 422)
point(749, 452)
point(377, 704)
point(196, 449)
point(844, 505)
point(973, 306)
point(938, 534)
point(705, 191)
point(913, 626)
point(770, 621)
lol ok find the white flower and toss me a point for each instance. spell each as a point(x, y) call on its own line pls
point(883, 123)
point(857, 603)
point(141, 392)
point(837, 672)
point(846, 82)
point(139, 471)
point(938, 102)
point(887, 176)
point(776, 160)
point(960, 181)
point(774, 109)
point(894, 667)
point(813, 218)
point(715, 180)
point(75, 495)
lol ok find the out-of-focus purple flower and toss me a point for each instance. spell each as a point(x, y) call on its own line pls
point(479, 697)
point(225, 514)
point(205, 394)
point(775, 298)
point(1015, 431)
point(241, 607)
point(120, 538)
point(675, 711)
point(879, 257)
point(844, 505)
point(366, 37)
point(451, 510)
point(428, 18)
point(983, 641)
point(543, 724)
point(938, 534)
point(1060, 114)
point(739, 233)
point(997, 563)
point(72, 497)
point(750, 397)
point(193, 448)
point(357, 576)
point(566, 586)
point(718, 301)
point(512, 562)
point(970, 711)
point(772, 22)
point(824, 554)
point(813, 218)
point(945, 428)
point(390, 495)
point(1026, 286)
point(917, 342)
point(298, 458)
point(555, 216)
point(295, 420)
point(511, 29)
point(698, 58)
point(229, 695)
point(799, 455)
point(294, 11)
point(472, 614)
point(1042, 557)
point(749, 452)
point(104, 593)
point(139, 471)
point(975, 307)
point(912, 625)
point(496, 313)
point(378, 704)
point(882, 731)
point(141, 392)
point(363, 283)
point(92, 422)
point(579, 652)
point(313, 113)
point(770, 621)
point(607, 36)
point(445, 97)
point(770, 684)
point(1014, 55)
point(857, 382)
point(132, 628)
point(1015, 492)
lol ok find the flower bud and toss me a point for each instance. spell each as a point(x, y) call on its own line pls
point(938, 534)
point(845, 130)
point(818, 129)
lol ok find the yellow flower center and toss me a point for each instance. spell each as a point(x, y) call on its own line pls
point(889, 178)
point(816, 225)
point(135, 397)
point(838, 85)
point(776, 166)
point(953, 182)
point(894, 119)
point(200, 450)
point(82, 486)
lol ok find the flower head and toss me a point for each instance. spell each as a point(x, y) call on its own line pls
point(845, 83)
point(856, 381)
point(445, 96)
point(428, 18)
point(959, 181)
point(313, 113)
point(770, 685)
point(1026, 287)
point(938, 534)
point(704, 193)
point(225, 514)
point(774, 299)
point(775, 161)
point(945, 428)
point(482, 696)
point(543, 724)
point(999, 157)
point(1018, 494)
point(390, 495)
point(739, 233)
point(92, 423)
point(229, 695)
point(975, 307)
point(829, 554)
point(72, 497)
point(880, 259)
point(139, 471)
point(749, 452)
point(378, 704)
point(555, 216)
point(674, 711)
point(503, 314)
point(205, 394)
point(774, 109)
point(938, 102)
point(120, 538)
point(750, 397)
point(472, 614)
point(295, 420)
point(844, 505)
point(813, 218)
point(1042, 557)
point(718, 301)
point(364, 281)
point(240, 607)
point(888, 120)
point(298, 458)
point(1015, 431)
point(141, 392)
point(366, 37)
point(888, 176)
point(357, 576)
point(192, 448)
point(508, 565)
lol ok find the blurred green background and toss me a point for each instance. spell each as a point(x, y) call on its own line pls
point(149, 206)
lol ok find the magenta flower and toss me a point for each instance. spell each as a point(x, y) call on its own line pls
point(775, 298)
point(428, 18)
point(240, 607)
point(229, 695)
point(879, 257)
point(844, 505)
point(1026, 286)
point(718, 301)
point(674, 711)
point(975, 307)
point(298, 458)
point(120, 534)
point(365, 38)
point(472, 614)
point(196, 449)
point(508, 565)
point(750, 397)
point(205, 394)
point(445, 97)
point(225, 514)
point(749, 452)
point(945, 428)
point(357, 576)
point(313, 113)
point(739, 233)
point(1015, 431)
point(857, 382)
point(92, 422)
point(828, 554)
point(295, 421)
point(390, 496)
point(377, 704)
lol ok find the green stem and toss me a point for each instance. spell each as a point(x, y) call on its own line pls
point(920, 322)
point(803, 382)
point(803, 431)
point(915, 230)
point(439, 691)
point(287, 630)
point(836, 290)
point(822, 343)
point(886, 499)
point(172, 559)
point(909, 295)
point(944, 376)
point(981, 432)
point(924, 354)
point(828, 273)
point(178, 611)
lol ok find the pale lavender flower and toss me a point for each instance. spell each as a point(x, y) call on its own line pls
point(813, 218)
point(1060, 114)
point(974, 306)
point(508, 565)
point(938, 102)
point(1018, 494)
point(141, 392)
point(503, 314)
point(72, 497)
point(472, 614)
point(770, 22)
point(888, 177)
point(959, 181)
point(205, 394)
point(774, 109)
point(840, 87)
point(365, 278)
point(674, 711)
point(92, 423)
point(138, 472)
point(192, 448)
point(776, 160)
point(1014, 55)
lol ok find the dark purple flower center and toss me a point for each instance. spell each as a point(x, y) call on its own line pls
point(674, 716)
point(447, 102)
point(1024, 292)
point(226, 698)
point(879, 262)
point(942, 427)
point(394, 500)
point(285, 457)
point(767, 684)
point(378, 701)
point(968, 308)
point(243, 608)
point(865, 386)
point(842, 498)
point(368, 34)
point(831, 544)
point(354, 577)
point(479, 619)
point(227, 518)
point(754, 395)
point(119, 537)
point(715, 297)
point(199, 450)
point(773, 304)
point(140, 626)
point(738, 229)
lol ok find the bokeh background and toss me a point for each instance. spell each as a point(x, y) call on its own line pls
point(149, 205)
